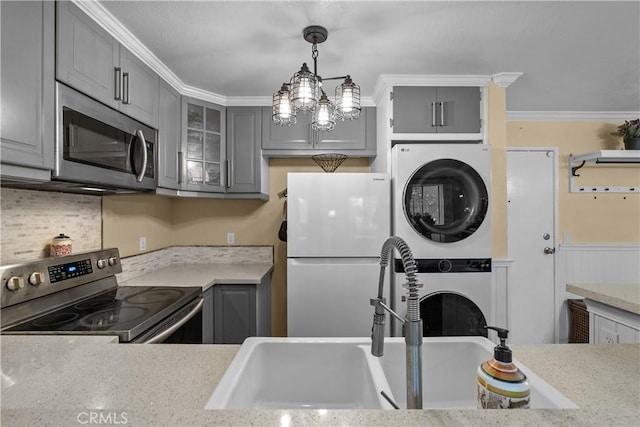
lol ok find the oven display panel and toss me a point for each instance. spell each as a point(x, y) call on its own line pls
point(61, 272)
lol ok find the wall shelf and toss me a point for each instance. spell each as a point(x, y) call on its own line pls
point(602, 157)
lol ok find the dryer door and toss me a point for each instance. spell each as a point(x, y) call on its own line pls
point(445, 201)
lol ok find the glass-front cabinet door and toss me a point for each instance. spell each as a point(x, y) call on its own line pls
point(204, 146)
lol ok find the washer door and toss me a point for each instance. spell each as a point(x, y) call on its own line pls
point(445, 201)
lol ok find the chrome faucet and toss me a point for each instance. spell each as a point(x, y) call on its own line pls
point(412, 322)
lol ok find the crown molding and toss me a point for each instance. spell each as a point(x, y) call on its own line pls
point(505, 79)
point(266, 101)
point(571, 116)
point(106, 20)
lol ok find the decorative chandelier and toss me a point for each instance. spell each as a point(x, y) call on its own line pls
point(304, 92)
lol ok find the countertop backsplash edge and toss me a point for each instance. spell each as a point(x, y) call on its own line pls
point(136, 265)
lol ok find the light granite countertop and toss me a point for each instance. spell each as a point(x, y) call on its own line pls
point(204, 275)
point(622, 296)
point(65, 381)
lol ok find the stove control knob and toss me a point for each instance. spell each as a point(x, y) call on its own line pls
point(102, 263)
point(15, 283)
point(113, 260)
point(35, 278)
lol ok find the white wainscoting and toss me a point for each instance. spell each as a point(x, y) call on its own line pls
point(591, 263)
point(501, 269)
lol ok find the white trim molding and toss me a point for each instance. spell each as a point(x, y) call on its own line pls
point(505, 79)
point(571, 116)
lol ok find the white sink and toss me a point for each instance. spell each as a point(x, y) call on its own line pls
point(449, 366)
point(298, 373)
point(341, 373)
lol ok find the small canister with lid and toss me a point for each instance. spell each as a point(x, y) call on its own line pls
point(61, 245)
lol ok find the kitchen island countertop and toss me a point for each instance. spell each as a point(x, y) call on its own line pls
point(57, 381)
point(203, 275)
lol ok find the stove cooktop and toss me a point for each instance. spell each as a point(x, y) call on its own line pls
point(124, 311)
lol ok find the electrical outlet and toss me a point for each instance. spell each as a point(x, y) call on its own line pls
point(231, 238)
point(608, 336)
point(143, 243)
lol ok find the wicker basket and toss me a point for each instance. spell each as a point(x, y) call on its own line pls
point(578, 321)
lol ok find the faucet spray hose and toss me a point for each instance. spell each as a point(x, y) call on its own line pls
point(410, 269)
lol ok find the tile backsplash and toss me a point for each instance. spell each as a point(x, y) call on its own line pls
point(139, 264)
point(30, 219)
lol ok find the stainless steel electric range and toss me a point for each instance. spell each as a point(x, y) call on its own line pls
point(79, 295)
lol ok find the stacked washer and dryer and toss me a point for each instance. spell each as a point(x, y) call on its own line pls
point(441, 208)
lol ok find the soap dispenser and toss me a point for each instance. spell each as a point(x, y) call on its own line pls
point(501, 385)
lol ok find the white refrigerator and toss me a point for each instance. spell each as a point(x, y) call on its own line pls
point(336, 225)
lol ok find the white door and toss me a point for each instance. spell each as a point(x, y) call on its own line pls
point(531, 213)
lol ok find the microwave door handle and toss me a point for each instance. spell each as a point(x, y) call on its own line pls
point(164, 334)
point(141, 139)
point(73, 135)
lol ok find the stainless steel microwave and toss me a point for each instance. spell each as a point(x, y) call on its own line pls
point(100, 148)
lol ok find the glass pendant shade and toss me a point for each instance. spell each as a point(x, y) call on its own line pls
point(324, 116)
point(348, 100)
point(304, 89)
point(283, 113)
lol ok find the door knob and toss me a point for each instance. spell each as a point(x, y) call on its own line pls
point(549, 250)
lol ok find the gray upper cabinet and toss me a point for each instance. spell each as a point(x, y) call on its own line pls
point(426, 109)
point(206, 150)
point(352, 137)
point(203, 146)
point(92, 61)
point(244, 159)
point(169, 137)
point(27, 67)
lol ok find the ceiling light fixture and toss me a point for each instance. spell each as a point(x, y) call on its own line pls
point(304, 92)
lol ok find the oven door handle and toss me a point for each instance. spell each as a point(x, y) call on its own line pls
point(164, 334)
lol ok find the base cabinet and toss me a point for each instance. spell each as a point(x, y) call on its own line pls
point(610, 325)
point(207, 317)
point(241, 311)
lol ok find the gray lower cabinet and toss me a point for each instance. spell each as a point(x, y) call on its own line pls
point(90, 60)
point(241, 311)
point(427, 109)
point(207, 317)
point(27, 68)
point(356, 138)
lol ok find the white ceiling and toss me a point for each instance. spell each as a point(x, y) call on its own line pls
point(575, 56)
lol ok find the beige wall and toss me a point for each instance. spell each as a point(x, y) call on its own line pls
point(126, 218)
point(586, 217)
point(497, 138)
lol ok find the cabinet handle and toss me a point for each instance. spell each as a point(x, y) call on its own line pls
point(179, 167)
point(228, 167)
point(125, 88)
point(441, 113)
point(117, 83)
point(433, 114)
